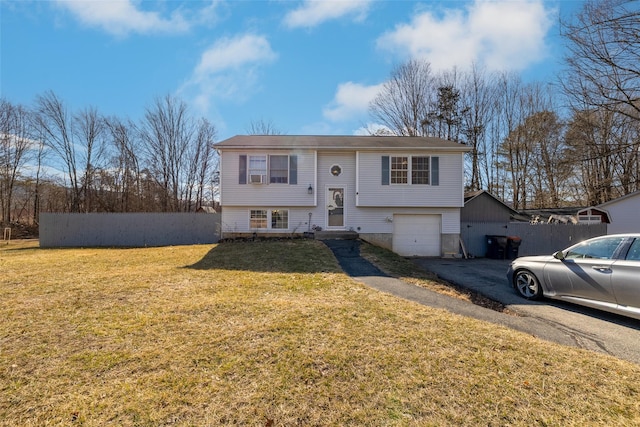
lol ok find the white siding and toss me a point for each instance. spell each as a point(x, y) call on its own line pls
point(624, 215)
point(364, 220)
point(235, 194)
point(380, 220)
point(449, 192)
point(236, 219)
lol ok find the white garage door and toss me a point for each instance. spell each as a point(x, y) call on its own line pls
point(416, 235)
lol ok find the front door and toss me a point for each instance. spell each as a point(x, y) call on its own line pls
point(335, 207)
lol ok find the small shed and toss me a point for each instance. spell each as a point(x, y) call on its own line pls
point(482, 206)
point(593, 215)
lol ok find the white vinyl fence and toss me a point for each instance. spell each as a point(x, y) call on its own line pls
point(128, 229)
point(537, 239)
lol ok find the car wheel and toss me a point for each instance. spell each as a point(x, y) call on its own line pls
point(527, 284)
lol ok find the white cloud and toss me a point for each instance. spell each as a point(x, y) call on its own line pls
point(235, 53)
point(351, 100)
point(122, 17)
point(499, 34)
point(315, 12)
point(228, 69)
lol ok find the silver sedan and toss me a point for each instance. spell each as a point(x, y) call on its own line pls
point(602, 273)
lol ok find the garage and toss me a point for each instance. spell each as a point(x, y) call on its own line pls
point(416, 235)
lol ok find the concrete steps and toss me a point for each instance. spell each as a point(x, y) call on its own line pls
point(330, 235)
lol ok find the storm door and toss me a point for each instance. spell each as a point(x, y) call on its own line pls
point(335, 207)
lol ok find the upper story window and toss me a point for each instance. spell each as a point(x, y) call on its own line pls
point(399, 170)
point(278, 169)
point(417, 169)
point(262, 169)
point(413, 170)
point(257, 165)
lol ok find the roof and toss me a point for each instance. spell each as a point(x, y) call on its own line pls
point(335, 142)
point(470, 195)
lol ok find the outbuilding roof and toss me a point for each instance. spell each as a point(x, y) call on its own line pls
point(335, 142)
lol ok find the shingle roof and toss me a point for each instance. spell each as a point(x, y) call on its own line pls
point(339, 142)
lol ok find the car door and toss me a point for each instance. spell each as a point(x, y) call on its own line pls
point(626, 277)
point(589, 268)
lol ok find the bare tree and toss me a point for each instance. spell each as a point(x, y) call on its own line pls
point(166, 131)
point(405, 99)
point(179, 154)
point(89, 129)
point(263, 127)
point(124, 167)
point(15, 144)
point(478, 98)
point(526, 130)
point(604, 151)
point(75, 142)
point(603, 59)
point(200, 155)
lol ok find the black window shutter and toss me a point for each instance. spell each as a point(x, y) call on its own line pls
point(293, 170)
point(242, 175)
point(385, 170)
point(435, 171)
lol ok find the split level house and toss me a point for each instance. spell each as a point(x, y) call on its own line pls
point(401, 193)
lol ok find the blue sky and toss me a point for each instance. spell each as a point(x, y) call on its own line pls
point(308, 67)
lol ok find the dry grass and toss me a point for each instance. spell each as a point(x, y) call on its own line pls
point(269, 333)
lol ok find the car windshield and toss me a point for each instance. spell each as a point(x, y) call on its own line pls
point(598, 249)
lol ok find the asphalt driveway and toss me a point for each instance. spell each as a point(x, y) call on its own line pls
point(559, 322)
point(579, 326)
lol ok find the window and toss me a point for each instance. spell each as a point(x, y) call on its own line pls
point(417, 167)
point(258, 218)
point(278, 169)
point(419, 170)
point(280, 219)
point(282, 169)
point(597, 249)
point(634, 251)
point(257, 165)
point(399, 170)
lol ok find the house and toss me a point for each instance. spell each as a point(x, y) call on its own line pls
point(620, 214)
point(402, 193)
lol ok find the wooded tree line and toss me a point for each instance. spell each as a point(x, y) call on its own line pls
point(574, 141)
point(53, 159)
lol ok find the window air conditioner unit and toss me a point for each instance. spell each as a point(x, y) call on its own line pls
point(256, 179)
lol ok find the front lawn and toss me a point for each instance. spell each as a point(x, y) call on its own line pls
point(270, 334)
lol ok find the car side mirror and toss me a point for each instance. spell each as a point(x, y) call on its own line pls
point(559, 255)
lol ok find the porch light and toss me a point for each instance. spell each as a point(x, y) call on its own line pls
point(310, 189)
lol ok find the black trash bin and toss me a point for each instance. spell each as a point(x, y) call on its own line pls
point(513, 243)
point(496, 246)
